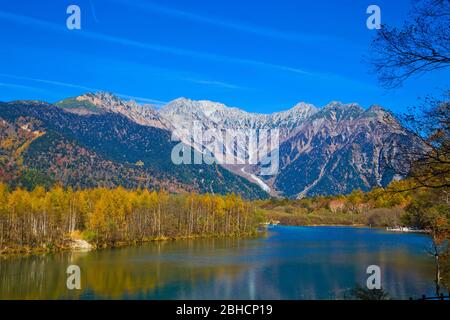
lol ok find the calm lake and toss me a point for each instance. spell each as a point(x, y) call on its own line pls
point(285, 263)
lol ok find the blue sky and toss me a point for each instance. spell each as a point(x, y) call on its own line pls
point(261, 56)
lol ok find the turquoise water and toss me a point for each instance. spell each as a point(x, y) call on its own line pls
point(286, 263)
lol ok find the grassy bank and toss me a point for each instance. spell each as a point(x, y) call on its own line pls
point(373, 218)
point(321, 212)
point(68, 246)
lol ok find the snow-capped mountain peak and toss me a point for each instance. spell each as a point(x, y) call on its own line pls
point(318, 147)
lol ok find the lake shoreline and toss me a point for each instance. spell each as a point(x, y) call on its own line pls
point(332, 260)
point(28, 251)
point(51, 249)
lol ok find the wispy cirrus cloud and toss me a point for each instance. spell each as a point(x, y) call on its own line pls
point(228, 24)
point(81, 87)
point(138, 99)
point(214, 83)
point(18, 86)
point(50, 82)
point(60, 28)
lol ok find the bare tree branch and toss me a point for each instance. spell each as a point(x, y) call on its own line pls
point(421, 45)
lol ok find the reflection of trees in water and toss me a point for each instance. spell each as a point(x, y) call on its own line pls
point(115, 273)
point(34, 277)
point(295, 268)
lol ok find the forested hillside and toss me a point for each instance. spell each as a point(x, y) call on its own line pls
point(45, 144)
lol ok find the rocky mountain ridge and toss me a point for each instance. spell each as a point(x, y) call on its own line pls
point(333, 149)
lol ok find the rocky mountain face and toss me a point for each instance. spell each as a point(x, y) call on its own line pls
point(104, 102)
point(185, 115)
point(103, 147)
point(182, 112)
point(342, 148)
point(329, 150)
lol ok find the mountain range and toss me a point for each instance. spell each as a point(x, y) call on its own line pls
point(99, 139)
